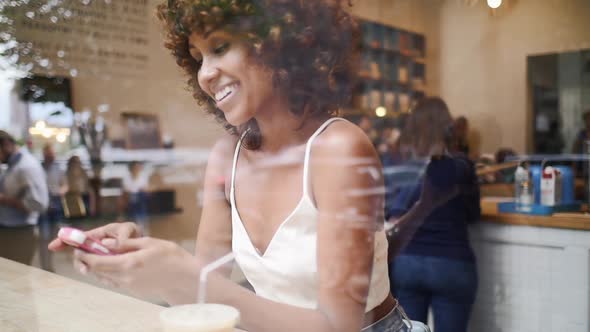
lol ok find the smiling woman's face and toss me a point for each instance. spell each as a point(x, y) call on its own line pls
point(239, 86)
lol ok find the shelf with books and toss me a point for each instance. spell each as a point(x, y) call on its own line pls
point(392, 69)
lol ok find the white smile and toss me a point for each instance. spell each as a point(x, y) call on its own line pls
point(225, 92)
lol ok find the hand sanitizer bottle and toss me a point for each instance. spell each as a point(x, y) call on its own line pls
point(523, 189)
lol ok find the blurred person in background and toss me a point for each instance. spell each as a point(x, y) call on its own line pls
point(583, 134)
point(54, 214)
point(578, 147)
point(135, 192)
point(23, 197)
point(436, 269)
point(387, 140)
point(56, 184)
point(366, 125)
point(459, 133)
point(78, 185)
point(505, 175)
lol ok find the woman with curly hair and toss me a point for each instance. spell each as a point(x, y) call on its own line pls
point(292, 191)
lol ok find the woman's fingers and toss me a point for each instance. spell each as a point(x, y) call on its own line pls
point(129, 258)
point(56, 245)
point(143, 266)
point(80, 266)
point(104, 278)
point(118, 231)
point(129, 244)
point(100, 264)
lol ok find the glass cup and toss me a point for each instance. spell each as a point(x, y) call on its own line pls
point(200, 317)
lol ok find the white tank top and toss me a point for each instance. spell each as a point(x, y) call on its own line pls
point(287, 271)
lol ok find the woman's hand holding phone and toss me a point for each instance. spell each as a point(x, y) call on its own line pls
point(142, 265)
point(78, 239)
point(108, 236)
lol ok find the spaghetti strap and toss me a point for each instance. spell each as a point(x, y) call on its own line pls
point(305, 161)
point(308, 152)
point(233, 169)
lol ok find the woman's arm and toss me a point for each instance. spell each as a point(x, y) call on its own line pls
point(347, 187)
point(214, 236)
point(349, 192)
point(161, 268)
point(401, 230)
point(472, 196)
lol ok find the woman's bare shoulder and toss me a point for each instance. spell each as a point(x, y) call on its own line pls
point(342, 139)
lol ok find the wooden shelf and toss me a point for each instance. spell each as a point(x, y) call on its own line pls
point(383, 82)
point(394, 52)
point(577, 221)
point(393, 69)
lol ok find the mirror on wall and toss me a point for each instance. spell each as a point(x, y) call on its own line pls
point(560, 95)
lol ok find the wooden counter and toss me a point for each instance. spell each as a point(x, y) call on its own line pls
point(574, 221)
point(35, 300)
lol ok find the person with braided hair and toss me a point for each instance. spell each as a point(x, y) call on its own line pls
point(293, 191)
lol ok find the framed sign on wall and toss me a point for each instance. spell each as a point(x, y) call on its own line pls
point(143, 131)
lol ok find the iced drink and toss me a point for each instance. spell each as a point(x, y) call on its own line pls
point(203, 317)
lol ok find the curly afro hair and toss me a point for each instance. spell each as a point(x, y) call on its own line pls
point(311, 47)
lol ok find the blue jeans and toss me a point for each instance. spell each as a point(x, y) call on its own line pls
point(54, 213)
point(446, 285)
point(137, 206)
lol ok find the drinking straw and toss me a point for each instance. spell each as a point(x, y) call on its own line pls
point(205, 272)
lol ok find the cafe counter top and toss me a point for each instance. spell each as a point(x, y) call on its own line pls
point(573, 221)
point(35, 300)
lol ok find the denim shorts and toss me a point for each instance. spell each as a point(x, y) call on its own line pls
point(396, 321)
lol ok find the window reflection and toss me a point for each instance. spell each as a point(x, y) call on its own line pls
point(89, 90)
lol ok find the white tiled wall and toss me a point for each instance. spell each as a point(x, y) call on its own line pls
point(531, 279)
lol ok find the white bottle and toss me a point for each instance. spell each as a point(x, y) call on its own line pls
point(520, 175)
point(523, 189)
point(550, 186)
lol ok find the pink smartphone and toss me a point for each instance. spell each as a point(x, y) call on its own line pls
point(78, 239)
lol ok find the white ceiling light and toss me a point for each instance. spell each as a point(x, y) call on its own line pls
point(380, 111)
point(494, 3)
point(61, 137)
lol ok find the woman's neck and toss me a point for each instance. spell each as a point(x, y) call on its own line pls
point(281, 129)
